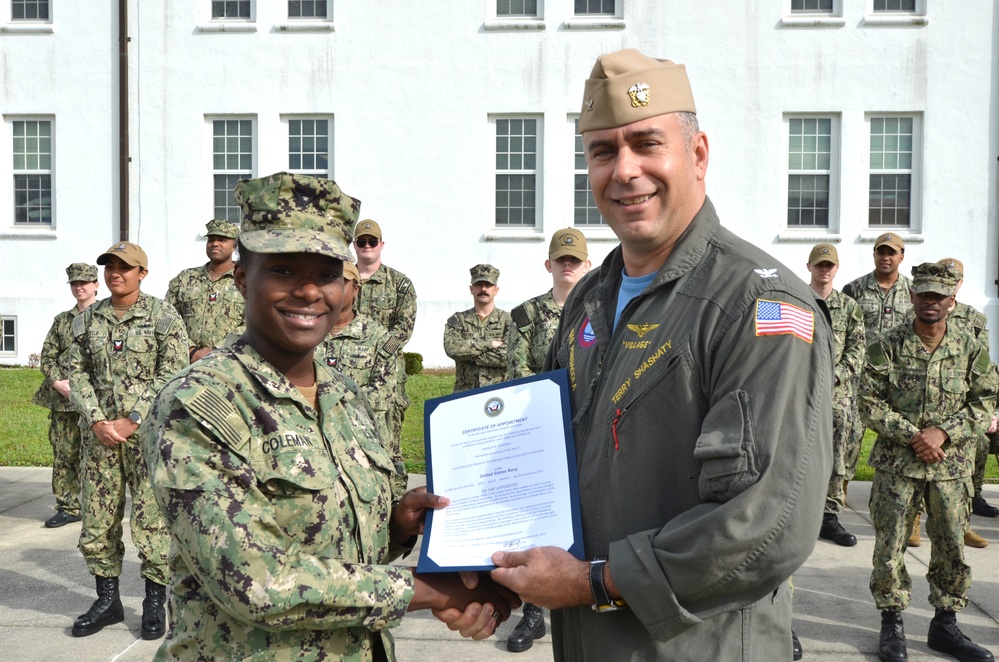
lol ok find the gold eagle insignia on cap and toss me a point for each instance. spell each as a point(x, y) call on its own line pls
point(568, 240)
point(641, 95)
point(641, 329)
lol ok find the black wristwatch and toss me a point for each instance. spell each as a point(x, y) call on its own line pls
point(135, 417)
point(602, 601)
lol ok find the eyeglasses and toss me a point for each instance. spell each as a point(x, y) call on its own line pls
point(369, 243)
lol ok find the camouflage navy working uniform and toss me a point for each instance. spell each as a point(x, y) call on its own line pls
point(212, 309)
point(278, 510)
point(365, 352)
point(848, 431)
point(882, 310)
point(909, 390)
point(64, 422)
point(389, 298)
point(468, 339)
point(533, 325)
point(118, 366)
point(279, 514)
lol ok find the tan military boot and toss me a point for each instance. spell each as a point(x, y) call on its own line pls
point(972, 539)
point(845, 483)
point(914, 539)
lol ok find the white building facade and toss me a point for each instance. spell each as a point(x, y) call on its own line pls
point(453, 123)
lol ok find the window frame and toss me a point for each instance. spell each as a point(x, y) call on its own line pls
point(537, 172)
point(236, 19)
point(580, 153)
point(4, 319)
point(617, 13)
point(240, 173)
point(496, 21)
point(46, 20)
point(327, 17)
point(893, 17)
point(833, 172)
point(914, 171)
point(14, 172)
point(286, 121)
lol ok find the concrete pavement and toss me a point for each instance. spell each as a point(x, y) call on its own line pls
point(44, 585)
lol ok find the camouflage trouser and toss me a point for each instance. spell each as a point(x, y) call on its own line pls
point(848, 433)
point(106, 472)
point(64, 435)
point(981, 456)
point(894, 503)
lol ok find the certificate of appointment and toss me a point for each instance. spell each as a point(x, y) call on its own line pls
point(504, 455)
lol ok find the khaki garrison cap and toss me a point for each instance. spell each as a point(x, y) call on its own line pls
point(286, 213)
point(823, 253)
point(131, 254)
point(955, 264)
point(568, 241)
point(890, 239)
point(81, 271)
point(369, 227)
point(626, 86)
point(350, 272)
point(934, 277)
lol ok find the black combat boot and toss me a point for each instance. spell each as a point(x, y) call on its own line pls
point(154, 611)
point(944, 636)
point(892, 646)
point(531, 627)
point(797, 652)
point(106, 610)
point(981, 507)
point(832, 530)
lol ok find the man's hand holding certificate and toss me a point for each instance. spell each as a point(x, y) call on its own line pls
point(504, 456)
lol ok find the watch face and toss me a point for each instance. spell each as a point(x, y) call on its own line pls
point(135, 418)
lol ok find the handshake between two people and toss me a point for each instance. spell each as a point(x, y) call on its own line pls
point(475, 603)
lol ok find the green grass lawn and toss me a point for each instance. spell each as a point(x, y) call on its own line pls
point(24, 438)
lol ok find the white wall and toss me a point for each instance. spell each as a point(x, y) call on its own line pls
point(411, 87)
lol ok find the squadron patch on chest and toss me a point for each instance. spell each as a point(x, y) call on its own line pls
point(586, 337)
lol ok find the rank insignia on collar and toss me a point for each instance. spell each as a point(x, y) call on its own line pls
point(213, 296)
point(118, 345)
point(331, 361)
point(641, 95)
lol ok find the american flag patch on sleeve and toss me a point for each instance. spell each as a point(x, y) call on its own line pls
point(776, 318)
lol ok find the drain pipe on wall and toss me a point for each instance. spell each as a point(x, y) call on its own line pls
point(123, 139)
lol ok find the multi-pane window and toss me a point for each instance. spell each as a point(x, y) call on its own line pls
point(811, 6)
point(593, 7)
point(29, 10)
point(809, 166)
point(232, 160)
point(8, 335)
point(306, 8)
point(584, 208)
point(895, 5)
point(516, 171)
point(891, 171)
point(516, 7)
point(309, 146)
point(231, 9)
point(32, 171)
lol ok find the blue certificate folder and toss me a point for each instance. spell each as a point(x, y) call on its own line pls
point(482, 410)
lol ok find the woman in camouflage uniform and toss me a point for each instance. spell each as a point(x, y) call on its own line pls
point(271, 474)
